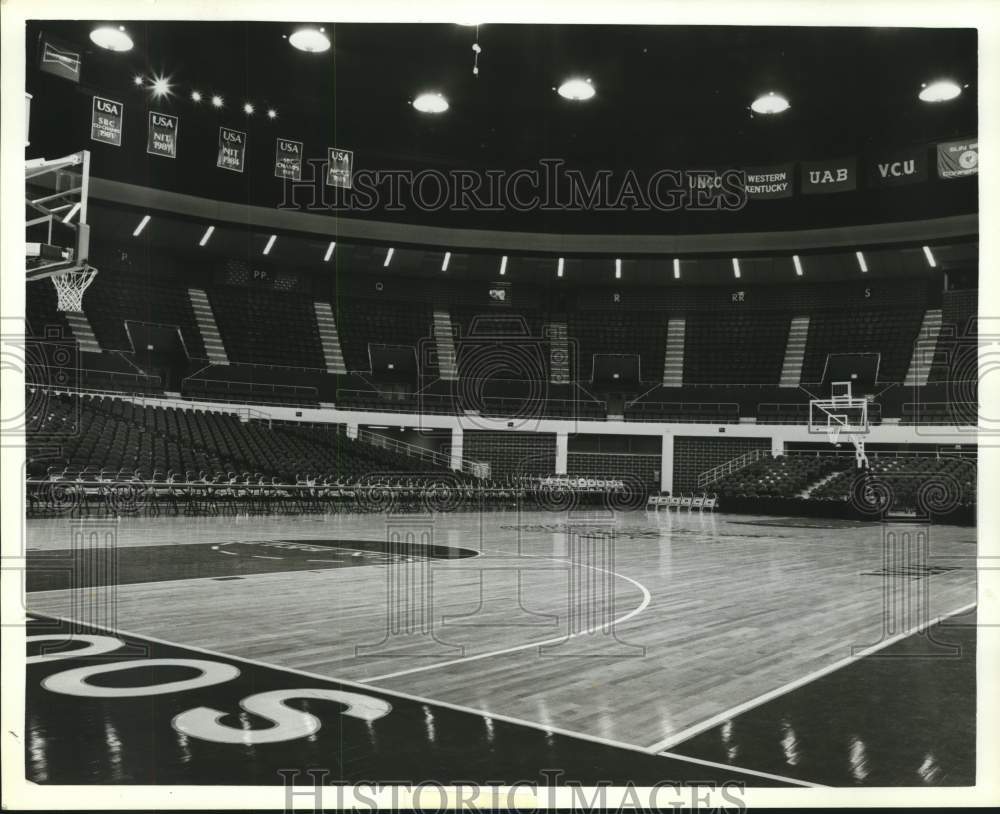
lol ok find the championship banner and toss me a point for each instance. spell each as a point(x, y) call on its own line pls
point(58, 59)
point(161, 138)
point(106, 121)
point(340, 166)
point(766, 183)
point(958, 159)
point(288, 159)
point(840, 175)
point(232, 149)
point(905, 167)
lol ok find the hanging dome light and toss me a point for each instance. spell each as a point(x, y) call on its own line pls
point(431, 103)
point(769, 104)
point(577, 90)
point(313, 40)
point(114, 39)
point(944, 90)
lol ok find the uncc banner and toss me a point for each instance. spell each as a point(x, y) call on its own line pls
point(162, 136)
point(958, 159)
point(106, 121)
point(839, 175)
point(232, 149)
point(288, 159)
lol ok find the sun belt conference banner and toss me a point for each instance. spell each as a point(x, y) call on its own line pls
point(763, 183)
point(958, 159)
point(839, 175)
point(106, 121)
point(340, 166)
point(162, 136)
point(232, 149)
point(288, 159)
point(894, 169)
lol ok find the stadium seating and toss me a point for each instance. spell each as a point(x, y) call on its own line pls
point(746, 348)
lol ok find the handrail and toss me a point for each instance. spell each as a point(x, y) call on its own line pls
point(710, 476)
point(478, 469)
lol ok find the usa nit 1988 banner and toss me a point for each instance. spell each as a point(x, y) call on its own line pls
point(162, 136)
point(958, 159)
point(106, 121)
point(232, 149)
point(288, 159)
point(339, 168)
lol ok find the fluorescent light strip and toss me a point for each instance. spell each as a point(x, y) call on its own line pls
point(72, 212)
point(205, 237)
point(736, 268)
point(503, 265)
point(930, 257)
point(141, 226)
point(798, 264)
point(446, 261)
point(329, 251)
point(270, 244)
point(677, 268)
point(861, 261)
point(388, 258)
point(618, 268)
point(559, 271)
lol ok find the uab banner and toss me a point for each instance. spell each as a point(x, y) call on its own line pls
point(232, 149)
point(340, 167)
point(106, 121)
point(958, 159)
point(839, 175)
point(894, 169)
point(764, 183)
point(161, 138)
point(288, 159)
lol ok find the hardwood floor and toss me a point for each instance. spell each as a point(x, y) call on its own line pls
point(711, 611)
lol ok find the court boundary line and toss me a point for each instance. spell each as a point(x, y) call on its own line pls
point(646, 599)
point(631, 747)
point(667, 743)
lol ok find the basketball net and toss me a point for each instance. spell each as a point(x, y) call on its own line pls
point(70, 287)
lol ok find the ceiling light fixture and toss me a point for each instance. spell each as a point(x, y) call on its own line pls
point(141, 226)
point(388, 258)
point(769, 104)
point(559, 270)
point(736, 268)
point(503, 265)
point(161, 87)
point(577, 90)
point(431, 103)
point(798, 265)
point(111, 38)
point(930, 257)
point(137, 80)
point(217, 101)
point(677, 268)
point(272, 113)
point(270, 244)
point(446, 261)
point(311, 40)
point(861, 261)
point(205, 237)
point(943, 90)
point(248, 108)
point(618, 268)
point(195, 96)
point(329, 251)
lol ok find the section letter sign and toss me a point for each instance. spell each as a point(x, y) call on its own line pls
point(288, 159)
point(232, 149)
point(340, 166)
point(162, 135)
point(106, 121)
point(958, 159)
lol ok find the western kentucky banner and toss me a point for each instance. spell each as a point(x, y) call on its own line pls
point(840, 175)
point(161, 138)
point(763, 183)
point(340, 164)
point(58, 59)
point(232, 149)
point(106, 121)
point(958, 159)
point(288, 159)
point(899, 168)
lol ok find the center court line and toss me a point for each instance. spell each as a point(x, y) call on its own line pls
point(660, 746)
point(419, 698)
point(646, 598)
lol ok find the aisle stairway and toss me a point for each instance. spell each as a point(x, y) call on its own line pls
point(673, 357)
point(444, 342)
point(923, 349)
point(330, 341)
point(210, 335)
point(795, 352)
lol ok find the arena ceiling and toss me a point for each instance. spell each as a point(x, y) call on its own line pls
point(667, 98)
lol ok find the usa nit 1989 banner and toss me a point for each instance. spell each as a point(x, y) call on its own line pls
point(232, 149)
point(288, 159)
point(162, 136)
point(106, 121)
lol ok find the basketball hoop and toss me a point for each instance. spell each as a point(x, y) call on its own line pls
point(70, 287)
